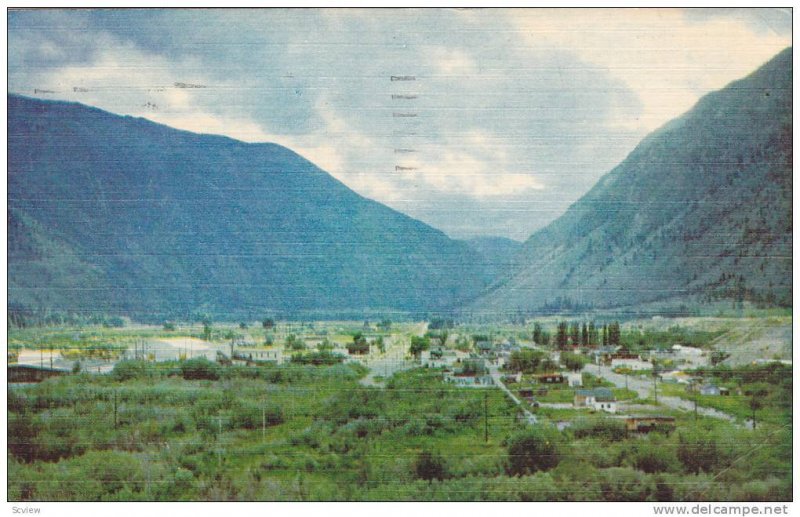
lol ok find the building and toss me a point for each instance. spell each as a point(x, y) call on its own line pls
point(31, 373)
point(574, 379)
point(709, 389)
point(647, 423)
point(468, 380)
point(550, 378)
point(256, 355)
point(599, 399)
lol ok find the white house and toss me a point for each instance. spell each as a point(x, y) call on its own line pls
point(574, 379)
point(599, 399)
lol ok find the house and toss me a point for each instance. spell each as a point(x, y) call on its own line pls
point(687, 350)
point(32, 373)
point(599, 399)
point(603, 354)
point(468, 380)
point(575, 379)
point(526, 393)
point(676, 376)
point(484, 347)
point(550, 378)
point(647, 423)
point(513, 378)
point(709, 389)
point(256, 355)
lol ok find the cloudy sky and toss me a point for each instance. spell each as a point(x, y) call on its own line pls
point(478, 122)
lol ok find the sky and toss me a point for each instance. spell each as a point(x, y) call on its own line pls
point(477, 122)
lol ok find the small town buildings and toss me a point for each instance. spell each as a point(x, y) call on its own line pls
point(31, 373)
point(526, 393)
point(484, 347)
point(512, 378)
point(709, 389)
point(599, 399)
point(647, 423)
point(550, 378)
point(676, 376)
point(260, 354)
point(574, 379)
point(468, 380)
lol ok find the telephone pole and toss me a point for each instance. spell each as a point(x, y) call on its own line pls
point(486, 416)
point(219, 441)
point(655, 387)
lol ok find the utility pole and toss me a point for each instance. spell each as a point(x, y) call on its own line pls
point(655, 387)
point(219, 440)
point(486, 416)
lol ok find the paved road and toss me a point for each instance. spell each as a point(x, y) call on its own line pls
point(497, 378)
point(644, 389)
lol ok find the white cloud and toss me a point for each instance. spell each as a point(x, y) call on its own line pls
point(668, 60)
point(523, 108)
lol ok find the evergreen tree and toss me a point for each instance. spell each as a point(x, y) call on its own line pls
point(575, 334)
point(613, 334)
point(561, 337)
point(584, 335)
point(537, 334)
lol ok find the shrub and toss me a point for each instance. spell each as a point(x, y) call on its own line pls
point(130, 369)
point(251, 416)
point(533, 450)
point(200, 368)
point(603, 428)
point(430, 466)
point(697, 451)
point(318, 358)
point(653, 458)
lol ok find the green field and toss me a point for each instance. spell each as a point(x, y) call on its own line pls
point(197, 430)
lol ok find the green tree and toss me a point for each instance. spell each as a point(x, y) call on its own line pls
point(430, 466)
point(200, 368)
point(575, 334)
point(533, 450)
point(584, 335)
point(592, 334)
point(537, 334)
point(561, 336)
point(574, 362)
point(418, 345)
point(526, 361)
point(359, 344)
point(614, 334)
point(268, 323)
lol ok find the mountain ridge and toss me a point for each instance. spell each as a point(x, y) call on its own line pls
point(612, 248)
point(176, 222)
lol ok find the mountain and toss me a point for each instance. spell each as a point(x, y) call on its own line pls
point(118, 215)
point(700, 210)
point(496, 253)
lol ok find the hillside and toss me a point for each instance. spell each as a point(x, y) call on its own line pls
point(496, 253)
point(701, 210)
point(119, 215)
